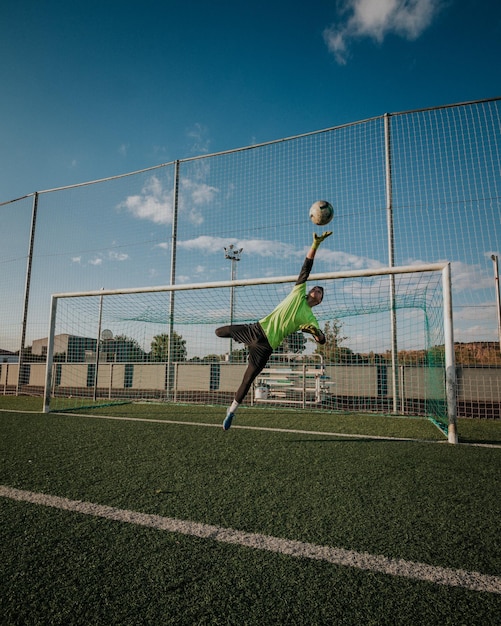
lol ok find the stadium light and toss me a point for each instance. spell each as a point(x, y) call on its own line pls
point(232, 254)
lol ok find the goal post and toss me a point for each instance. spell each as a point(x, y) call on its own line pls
point(108, 346)
point(450, 364)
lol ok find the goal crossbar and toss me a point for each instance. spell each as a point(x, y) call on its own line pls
point(381, 271)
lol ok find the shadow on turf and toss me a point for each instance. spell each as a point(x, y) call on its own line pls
point(480, 442)
point(472, 442)
point(350, 440)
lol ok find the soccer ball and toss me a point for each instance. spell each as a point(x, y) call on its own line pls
point(321, 212)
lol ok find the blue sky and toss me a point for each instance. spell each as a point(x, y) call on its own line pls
point(94, 89)
point(97, 89)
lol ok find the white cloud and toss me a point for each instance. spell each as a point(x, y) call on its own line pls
point(337, 260)
point(99, 259)
point(258, 247)
point(199, 193)
point(201, 141)
point(164, 245)
point(205, 243)
point(469, 277)
point(378, 18)
point(464, 277)
point(195, 196)
point(118, 256)
point(154, 203)
point(340, 260)
point(264, 248)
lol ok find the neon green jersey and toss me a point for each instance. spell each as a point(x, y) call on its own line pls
point(289, 316)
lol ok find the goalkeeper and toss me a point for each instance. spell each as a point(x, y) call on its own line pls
point(261, 338)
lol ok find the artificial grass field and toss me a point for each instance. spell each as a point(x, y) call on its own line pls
point(422, 501)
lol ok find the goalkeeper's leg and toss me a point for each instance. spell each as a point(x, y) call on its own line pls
point(253, 337)
point(258, 357)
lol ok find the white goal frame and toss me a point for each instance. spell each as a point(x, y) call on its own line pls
point(444, 268)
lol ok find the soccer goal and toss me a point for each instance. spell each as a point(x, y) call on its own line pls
point(389, 348)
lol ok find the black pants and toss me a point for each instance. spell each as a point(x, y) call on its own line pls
point(253, 337)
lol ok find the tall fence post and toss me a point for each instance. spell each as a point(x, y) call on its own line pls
point(175, 206)
point(391, 261)
point(498, 296)
point(27, 285)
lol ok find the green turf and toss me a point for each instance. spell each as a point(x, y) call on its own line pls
point(421, 501)
point(69, 569)
point(470, 431)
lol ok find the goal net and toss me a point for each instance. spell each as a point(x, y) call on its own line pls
point(389, 345)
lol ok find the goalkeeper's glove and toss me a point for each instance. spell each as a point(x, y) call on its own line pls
point(317, 239)
point(318, 335)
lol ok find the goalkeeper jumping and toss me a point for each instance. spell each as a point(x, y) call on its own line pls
point(261, 338)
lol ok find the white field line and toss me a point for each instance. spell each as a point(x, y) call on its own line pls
point(322, 433)
point(264, 428)
point(473, 581)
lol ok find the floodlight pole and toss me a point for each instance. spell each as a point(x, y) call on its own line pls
point(232, 254)
point(498, 297)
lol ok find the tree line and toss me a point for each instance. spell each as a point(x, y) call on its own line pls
point(127, 349)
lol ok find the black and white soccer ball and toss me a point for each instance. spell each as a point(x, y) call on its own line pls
point(321, 212)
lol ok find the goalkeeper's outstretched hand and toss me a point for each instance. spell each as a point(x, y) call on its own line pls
point(318, 335)
point(317, 239)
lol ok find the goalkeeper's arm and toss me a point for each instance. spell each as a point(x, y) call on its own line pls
point(308, 262)
point(318, 335)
